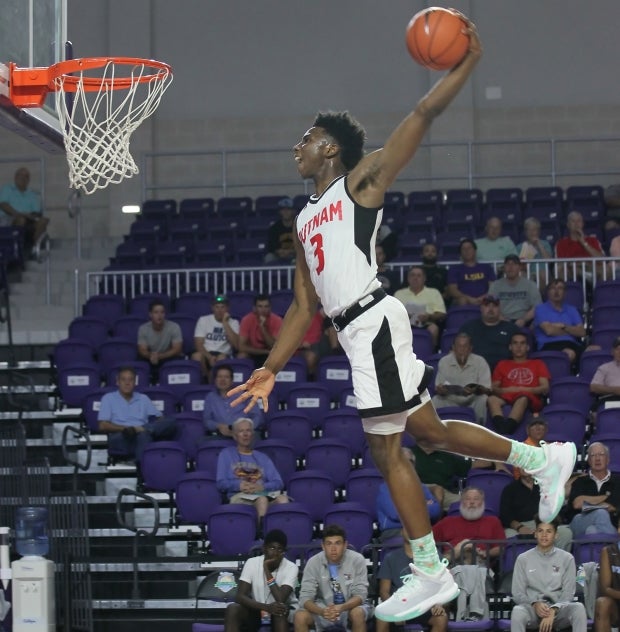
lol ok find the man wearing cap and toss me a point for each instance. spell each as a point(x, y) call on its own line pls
point(280, 247)
point(518, 295)
point(494, 246)
point(490, 334)
point(518, 507)
point(266, 590)
point(216, 335)
point(606, 381)
point(468, 282)
point(520, 382)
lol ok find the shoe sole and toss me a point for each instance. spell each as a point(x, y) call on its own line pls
point(443, 596)
point(564, 475)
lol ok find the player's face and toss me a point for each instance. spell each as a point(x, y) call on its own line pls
point(545, 535)
point(334, 547)
point(309, 152)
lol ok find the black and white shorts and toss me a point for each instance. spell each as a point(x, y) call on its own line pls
point(384, 369)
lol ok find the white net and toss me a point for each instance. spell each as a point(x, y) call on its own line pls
point(97, 127)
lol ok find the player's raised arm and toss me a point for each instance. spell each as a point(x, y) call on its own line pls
point(373, 176)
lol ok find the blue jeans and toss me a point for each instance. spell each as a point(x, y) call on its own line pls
point(161, 428)
point(595, 521)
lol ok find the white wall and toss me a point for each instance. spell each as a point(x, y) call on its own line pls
point(252, 74)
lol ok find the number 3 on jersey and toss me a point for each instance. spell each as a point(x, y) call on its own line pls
point(317, 242)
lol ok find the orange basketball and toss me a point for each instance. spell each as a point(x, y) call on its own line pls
point(437, 39)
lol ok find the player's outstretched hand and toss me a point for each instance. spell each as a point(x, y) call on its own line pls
point(475, 46)
point(258, 386)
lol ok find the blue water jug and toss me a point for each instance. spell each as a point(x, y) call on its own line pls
point(31, 531)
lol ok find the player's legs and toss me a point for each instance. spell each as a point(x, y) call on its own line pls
point(303, 621)
point(237, 616)
point(605, 614)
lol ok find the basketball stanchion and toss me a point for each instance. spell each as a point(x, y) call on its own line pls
point(97, 114)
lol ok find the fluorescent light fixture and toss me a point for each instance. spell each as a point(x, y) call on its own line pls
point(130, 208)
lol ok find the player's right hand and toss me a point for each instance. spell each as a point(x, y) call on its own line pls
point(258, 386)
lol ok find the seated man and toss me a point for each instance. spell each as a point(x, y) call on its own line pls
point(494, 246)
point(468, 282)
point(159, 339)
point(280, 249)
point(247, 476)
point(394, 566)
point(463, 531)
point(266, 589)
point(131, 419)
point(463, 379)
point(605, 383)
point(520, 382)
point(21, 206)
point(258, 331)
point(543, 587)
point(387, 516)
point(334, 587)
point(389, 279)
point(595, 498)
point(216, 335)
point(218, 414)
point(606, 610)
point(518, 509)
point(425, 305)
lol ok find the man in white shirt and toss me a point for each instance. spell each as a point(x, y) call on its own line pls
point(216, 335)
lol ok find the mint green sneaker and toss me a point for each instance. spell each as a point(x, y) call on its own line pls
point(551, 477)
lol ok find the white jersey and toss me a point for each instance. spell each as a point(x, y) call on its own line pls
point(214, 334)
point(338, 237)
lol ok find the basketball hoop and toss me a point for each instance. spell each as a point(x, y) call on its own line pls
point(96, 122)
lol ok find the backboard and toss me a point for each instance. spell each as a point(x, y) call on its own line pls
point(33, 33)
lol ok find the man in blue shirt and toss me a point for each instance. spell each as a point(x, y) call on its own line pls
point(218, 415)
point(22, 207)
point(130, 419)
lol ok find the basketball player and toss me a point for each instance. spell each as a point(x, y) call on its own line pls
point(335, 263)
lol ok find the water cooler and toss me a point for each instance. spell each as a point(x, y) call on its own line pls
point(32, 575)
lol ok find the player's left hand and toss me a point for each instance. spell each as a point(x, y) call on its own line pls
point(258, 386)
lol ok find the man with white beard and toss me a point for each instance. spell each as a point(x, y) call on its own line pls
point(462, 531)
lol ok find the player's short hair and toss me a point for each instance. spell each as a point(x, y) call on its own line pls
point(347, 132)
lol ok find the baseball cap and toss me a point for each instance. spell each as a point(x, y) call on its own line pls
point(514, 258)
point(490, 298)
point(286, 202)
point(221, 298)
point(616, 342)
point(537, 420)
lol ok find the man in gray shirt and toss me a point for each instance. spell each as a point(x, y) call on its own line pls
point(159, 339)
point(543, 587)
point(518, 296)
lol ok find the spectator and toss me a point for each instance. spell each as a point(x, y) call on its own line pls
point(246, 476)
point(518, 296)
point(518, 508)
point(159, 339)
point(557, 324)
point(595, 497)
point(258, 331)
point(218, 413)
point(424, 305)
point(533, 247)
point(537, 428)
point(387, 516)
point(463, 379)
point(490, 334)
point(21, 206)
point(311, 343)
point(494, 247)
point(391, 571)
point(468, 282)
point(130, 419)
point(576, 244)
point(334, 587)
point(543, 587)
point(463, 531)
point(436, 275)
point(280, 247)
point(216, 336)
point(520, 382)
point(606, 381)
point(266, 589)
point(389, 279)
point(606, 613)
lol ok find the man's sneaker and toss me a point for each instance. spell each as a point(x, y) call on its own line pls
point(551, 477)
point(418, 594)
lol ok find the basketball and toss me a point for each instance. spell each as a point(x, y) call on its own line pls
point(436, 38)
